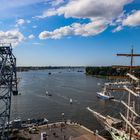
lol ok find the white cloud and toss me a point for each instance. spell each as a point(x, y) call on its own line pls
point(92, 9)
point(132, 19)
point(20, 22)
point(57, 2)
point(89, 29)
point(37, 43)
point(48, 13)
point(12, 36)
point(31, 36)
point(117, 29)
point(101, 13)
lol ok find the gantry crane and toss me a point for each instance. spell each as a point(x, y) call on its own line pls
point(8, 86)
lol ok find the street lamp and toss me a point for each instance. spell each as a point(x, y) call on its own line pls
point(63, 116)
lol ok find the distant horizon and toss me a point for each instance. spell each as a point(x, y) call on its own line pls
point(78, 66)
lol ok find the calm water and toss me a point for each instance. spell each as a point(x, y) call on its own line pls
point(63, 85)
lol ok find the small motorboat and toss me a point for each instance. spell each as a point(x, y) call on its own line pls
point(105, 94)
point(48, 94)
point(70, 101)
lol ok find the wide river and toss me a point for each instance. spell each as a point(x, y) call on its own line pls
point(62, 84)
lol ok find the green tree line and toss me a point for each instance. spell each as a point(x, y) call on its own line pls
point(109, 71)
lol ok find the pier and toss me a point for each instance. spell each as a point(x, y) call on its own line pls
point(57, 131)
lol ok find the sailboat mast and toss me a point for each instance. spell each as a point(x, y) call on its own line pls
point(129, 95)
point(134, 110)
point(131, 65)
point(132, 120)
point(127, 116)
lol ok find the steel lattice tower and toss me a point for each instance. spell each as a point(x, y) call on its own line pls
point(8, 86)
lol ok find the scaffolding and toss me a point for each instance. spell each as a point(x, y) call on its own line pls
point(8, 86)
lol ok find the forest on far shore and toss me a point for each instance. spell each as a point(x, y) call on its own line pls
point(110, 71)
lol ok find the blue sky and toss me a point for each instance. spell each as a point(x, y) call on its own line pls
point(70, 32)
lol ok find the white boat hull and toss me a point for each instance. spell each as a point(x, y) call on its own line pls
point(103, 96)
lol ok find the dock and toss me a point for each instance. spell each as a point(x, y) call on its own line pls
point(58, 131)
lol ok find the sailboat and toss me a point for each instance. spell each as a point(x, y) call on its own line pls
point(116, 127)
point(127, 128)
point(105, 94)
point(131, 129)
